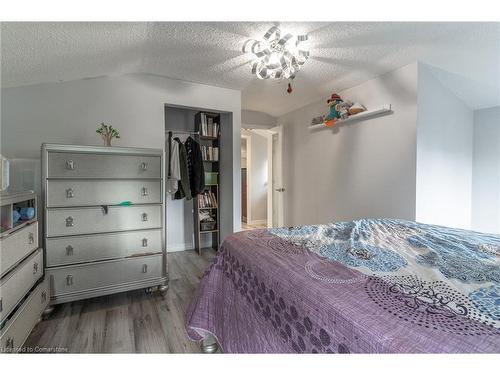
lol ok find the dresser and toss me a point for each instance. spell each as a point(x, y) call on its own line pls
point(104, 219)
point(23, 292)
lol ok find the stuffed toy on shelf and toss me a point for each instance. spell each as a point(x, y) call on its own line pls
point(339, 110)
point(332, 117)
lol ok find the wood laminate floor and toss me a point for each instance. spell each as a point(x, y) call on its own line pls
point(131, 322)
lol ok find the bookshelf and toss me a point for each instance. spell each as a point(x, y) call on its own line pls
point(206, 205)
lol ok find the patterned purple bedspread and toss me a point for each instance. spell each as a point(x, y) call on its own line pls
point(367, 286)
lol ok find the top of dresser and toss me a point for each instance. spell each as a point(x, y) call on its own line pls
point(54, 147)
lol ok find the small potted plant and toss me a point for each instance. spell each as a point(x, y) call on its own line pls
point(107, 133)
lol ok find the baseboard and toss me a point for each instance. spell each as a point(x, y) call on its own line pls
point(183, 247)
point(257, 222)
point(179, 247)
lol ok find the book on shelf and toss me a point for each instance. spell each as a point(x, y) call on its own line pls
point(208, 128)
point(210, 153)
point(207, 200)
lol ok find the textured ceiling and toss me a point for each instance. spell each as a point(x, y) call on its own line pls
point(342, 55)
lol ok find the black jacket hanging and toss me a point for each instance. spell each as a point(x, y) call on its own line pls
point(183, 190)
point(195, 167)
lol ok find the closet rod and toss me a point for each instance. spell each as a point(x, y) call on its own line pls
point(181, 132)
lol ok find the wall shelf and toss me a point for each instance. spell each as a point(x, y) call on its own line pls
point(383, 110)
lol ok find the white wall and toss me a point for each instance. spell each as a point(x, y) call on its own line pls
point(486, 171)
point(257, 165)
point(363, 169)
point(256, 119)
point(444, 153)
point(69, 112)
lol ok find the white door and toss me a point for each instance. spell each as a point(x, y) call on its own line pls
point(276, 189)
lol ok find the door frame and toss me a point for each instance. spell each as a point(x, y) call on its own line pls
point(248, 141)
point(278, 174)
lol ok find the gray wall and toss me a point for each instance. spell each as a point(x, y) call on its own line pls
point(256, 119)
point(69, 112)
point(444, 153)
point(363, 169)
point(486, 171)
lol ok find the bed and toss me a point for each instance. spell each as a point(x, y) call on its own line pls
point(365, 286)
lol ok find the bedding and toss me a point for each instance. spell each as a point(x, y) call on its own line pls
point(365, 286)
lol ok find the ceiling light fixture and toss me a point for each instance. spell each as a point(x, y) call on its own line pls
point(275, 56)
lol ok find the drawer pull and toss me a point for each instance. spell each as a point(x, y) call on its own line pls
point(144, 242)
point(70, 164)
point(69, 280)
point(144, 166)
point(144, 268)
point(31, 238)
point(1, 305)
point(44, 296)
point(35, 268)
point(70, 193)
point(69, 250)
point(69, 221)
point(144, 192)
point(9, 344)
point(144, 217)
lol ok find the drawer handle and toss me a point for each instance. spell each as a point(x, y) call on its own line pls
point(1, 305)
point(70, 193)
point(144, 192)
point(69, 221)
point(144, 217)
point(31, 238)
point(70, 164)
point(144, 242)
point(144, 166)
point(69, 280)
point(69, 250)
point(44, 296)
point(144, 268)
point(35, 268)
point(9, 344)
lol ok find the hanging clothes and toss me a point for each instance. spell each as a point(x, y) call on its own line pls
point(195, 167)
point(174, 174)
point(183, 190)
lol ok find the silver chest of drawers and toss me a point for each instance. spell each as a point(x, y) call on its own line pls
point(104, 220)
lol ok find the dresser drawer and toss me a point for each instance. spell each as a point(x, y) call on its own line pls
point(17, 245)
point(95, 247)
point(83, 165)
point(87, 220)
point(19, 282)
point(18, 328)
point(65, 193)
point(86, 277)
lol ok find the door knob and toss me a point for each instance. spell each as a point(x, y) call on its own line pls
point(280, 190)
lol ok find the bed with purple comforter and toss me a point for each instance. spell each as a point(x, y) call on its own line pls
point(367, 286)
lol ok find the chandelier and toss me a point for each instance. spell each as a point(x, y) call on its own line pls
point(275, 56)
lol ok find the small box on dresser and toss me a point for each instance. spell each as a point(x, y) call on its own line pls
point(104, 220)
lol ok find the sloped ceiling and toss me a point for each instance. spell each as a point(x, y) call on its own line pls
point(342, 55)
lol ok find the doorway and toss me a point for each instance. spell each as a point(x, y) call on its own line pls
point(261, 178)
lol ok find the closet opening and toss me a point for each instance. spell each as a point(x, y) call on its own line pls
point(199, 176)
